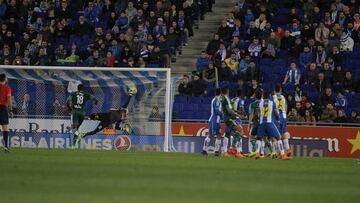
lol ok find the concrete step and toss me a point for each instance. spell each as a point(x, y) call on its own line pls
point(186, 62)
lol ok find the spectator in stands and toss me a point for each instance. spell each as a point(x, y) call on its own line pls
point(224, 73)
point(164, 51)
point(155, 114)
point(57, 108)
point(27, 107)
point(209, 74)
point(233, 63)
point(328, 74)
point(321, 33)
point(329, 114)
point(254, 86)
point(60, 52)
point(253, 72)
point(341, 117)
point(346, 42)
point(94, 60)
point(306, 58)
point(274, 40)
point(174, 41)
point(82, 27)
point(110, 59)
point(202, 62)
point(155, 56)
point(327, 98)
point(244, 64)
point(298, 93)
point(340, 100)
point(321, 84)
point(268, 50)
point(309, 118)
point(294, 116)
point(338, 76)
point(221, 54)
point(336, 56)
point(225, 32)
point(255, 48)
point(349, 83)
point(252, 31)
point(213, 45)
point(291, 102)
point(183, 86)
point(293, 75)
point(320, 56)
point(197, 86)
point(354, 118)
point(261, 21)
point(287, 42)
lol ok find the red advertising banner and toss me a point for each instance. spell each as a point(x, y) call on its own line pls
point(342, 141)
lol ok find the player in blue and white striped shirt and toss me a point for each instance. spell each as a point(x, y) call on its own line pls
point(281, 106)
point(238, 104)
point(214, 123)
point(267, 127)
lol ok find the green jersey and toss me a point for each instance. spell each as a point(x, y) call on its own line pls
point(254, 109)
point(78, 100)
point(226, 107)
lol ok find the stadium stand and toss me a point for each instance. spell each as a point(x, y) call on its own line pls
point(139, 33)
point(312, 47)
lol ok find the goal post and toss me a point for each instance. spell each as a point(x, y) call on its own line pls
point(48, 86)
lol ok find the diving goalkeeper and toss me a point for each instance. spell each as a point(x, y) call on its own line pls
point(106, 119)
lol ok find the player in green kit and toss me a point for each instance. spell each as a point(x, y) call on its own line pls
point(232, 121)
point(254, 122)
point(76, 103)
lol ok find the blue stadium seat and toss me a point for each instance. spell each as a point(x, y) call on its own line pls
point(194, 100)
point(180, 99)
point(207, 100)
point(178, 107)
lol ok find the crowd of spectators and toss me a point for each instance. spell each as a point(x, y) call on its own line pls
point(138, 33)
point(314, 38)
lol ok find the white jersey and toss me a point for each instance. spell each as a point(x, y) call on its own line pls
point(267, 111)
point(215, 110)
point(281, 104)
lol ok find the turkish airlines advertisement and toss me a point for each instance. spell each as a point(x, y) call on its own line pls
point(341, 141)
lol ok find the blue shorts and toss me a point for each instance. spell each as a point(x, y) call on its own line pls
point(282, 126)
point(268, 129)
point(214, 128)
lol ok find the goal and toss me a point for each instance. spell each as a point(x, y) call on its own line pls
point(42, 119)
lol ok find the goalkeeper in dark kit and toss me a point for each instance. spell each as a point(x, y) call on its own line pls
point(113, 116)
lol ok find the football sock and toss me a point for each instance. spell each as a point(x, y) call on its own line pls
point(286, 144)
point(237, 138)
point(217, 145)
point(239, 146)
point(206, 144)
point(225, 144)
point(253, 143)
point(6, 137)
point(76, 134)
point(258, 146)
point(269, 146)
point(262, 148)
point(281, 147)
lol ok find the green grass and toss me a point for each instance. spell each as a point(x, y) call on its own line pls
point(48, 176)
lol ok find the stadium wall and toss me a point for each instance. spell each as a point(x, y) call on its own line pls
point(341, 141)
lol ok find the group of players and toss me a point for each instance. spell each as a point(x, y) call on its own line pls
point(267, 125)
point(77, 103)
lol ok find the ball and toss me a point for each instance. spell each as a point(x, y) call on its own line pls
point(131, 90)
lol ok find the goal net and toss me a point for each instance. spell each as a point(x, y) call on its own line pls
point(42, 119)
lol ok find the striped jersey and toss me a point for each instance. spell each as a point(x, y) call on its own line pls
point(267, 111)
point(281, 104)
point(238, 103)
point(215, 110)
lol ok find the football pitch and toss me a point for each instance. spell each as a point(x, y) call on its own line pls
point(36, 176)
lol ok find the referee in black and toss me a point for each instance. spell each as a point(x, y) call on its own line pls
point(5, 109)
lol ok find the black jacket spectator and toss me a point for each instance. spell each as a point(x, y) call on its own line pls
point(213, 45)
point(197, 86)
point(253, 72)
point(224, 73)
